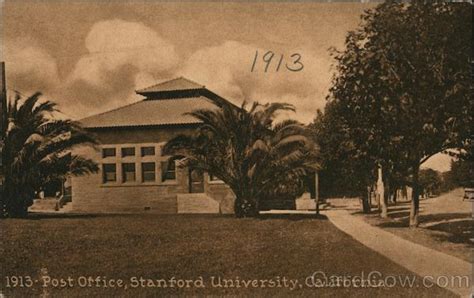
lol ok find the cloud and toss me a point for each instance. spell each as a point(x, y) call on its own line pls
point(29, 67)
point(114, 43)
point(121, 57)
point(226, 69)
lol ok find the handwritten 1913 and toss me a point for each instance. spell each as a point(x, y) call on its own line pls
point(293, 63)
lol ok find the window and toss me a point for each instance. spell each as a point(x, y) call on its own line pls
point(147, 151)
point(109, 172)
point(107, 152)
point(128, 172)
point(148, 171)
point(130, 151)
point(168, 169)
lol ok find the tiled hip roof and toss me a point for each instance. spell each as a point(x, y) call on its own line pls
point(150, 113)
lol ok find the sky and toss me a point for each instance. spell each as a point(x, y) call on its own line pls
point(91, 56)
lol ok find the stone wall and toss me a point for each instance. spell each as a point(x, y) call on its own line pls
point(90, 194)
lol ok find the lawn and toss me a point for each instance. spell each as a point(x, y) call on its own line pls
point(190, 247)
point(446, 223)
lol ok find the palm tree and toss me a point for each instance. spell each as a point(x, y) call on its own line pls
point(37, 150)
point(256, 157)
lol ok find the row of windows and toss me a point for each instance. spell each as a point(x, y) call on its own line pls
point(110, 174)
point(128, 151)
point(168, 172)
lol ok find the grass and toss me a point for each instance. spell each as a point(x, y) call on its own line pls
point(189, 247)
point(445, 224)
point(439, 237)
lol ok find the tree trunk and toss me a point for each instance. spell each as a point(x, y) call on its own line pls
point(383, 206)
point(373, 196)
point(15, 207)
point(381, 193)
point(244, 207)
point(415, 200)
point(316, 191)
point(238, 208)
point(395, 195)
point(377, 198)
point(365, 198)
point(16, 198)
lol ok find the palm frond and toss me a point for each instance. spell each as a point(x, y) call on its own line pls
point(43, 107)
point(246, 150)
point(25, 111)
point(37, 149)
point(81, 166)
point(292, 140)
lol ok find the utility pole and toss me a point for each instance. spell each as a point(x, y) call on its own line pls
point(316, 190)
point(3, 100)
point(3, 120)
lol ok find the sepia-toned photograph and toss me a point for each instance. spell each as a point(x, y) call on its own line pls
point(237, 148)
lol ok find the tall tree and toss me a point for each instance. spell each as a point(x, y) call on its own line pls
point(403, 82)
point(462, 173)
point(37, 150)
point(257, 157)
point(345, 170)
point(430, 182)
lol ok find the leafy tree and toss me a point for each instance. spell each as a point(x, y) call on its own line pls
point(343, 172)
point(37, 150)
point(256, 157)
point(430, 181)
point(462, 173)
point(462, 168)
point(403, 85)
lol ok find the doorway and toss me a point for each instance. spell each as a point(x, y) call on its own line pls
point(196, 181)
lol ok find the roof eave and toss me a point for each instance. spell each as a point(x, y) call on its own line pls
point(148, 93)
point(142, 126)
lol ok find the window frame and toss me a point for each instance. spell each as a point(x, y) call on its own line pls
point(143, 171)
point(138, 176)
point(143, 154)
point(104, 173)
point(109, 148)
point(124, 172)
point(123, 150)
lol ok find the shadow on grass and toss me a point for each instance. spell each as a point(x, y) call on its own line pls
point(372, 212)
point(443, 216)
point(399, 214)
point(293, 217)
point(41, 216)
point(398, 208)
point(394, 224)
point(458, 232)
point(46, 216)
point(391, 208)
point(392, 212)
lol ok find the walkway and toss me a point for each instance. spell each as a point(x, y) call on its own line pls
point(416, 258)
